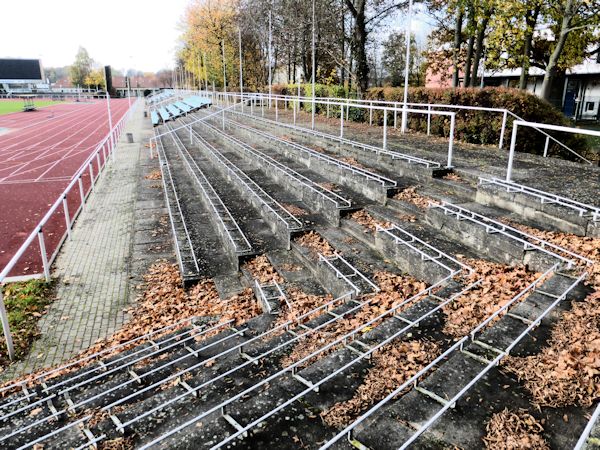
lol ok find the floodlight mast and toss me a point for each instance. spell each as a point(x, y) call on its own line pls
point(312, 120)
point(224, 68)
point(406, 65)
point(241, 70)
point(270, 68)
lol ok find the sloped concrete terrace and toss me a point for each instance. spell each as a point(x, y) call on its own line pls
point(390, 277)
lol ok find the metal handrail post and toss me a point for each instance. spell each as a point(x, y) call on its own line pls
point(384, 128)
point(429, 120)
point(67, 217)
point(451, 140)
point(511, 154)
point(5, 326)
point(43, 254)
point(502, 130)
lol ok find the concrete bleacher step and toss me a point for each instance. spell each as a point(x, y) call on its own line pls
point(334, 169)
point(486, 241)
point(281, 221)
point(545, 211)
point(386, 162)
point(312, 188)
point(210, 256)
point(243, 230)
point(278, 190)
point(462, 425)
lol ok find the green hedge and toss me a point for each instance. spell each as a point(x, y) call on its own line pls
point(476, 127)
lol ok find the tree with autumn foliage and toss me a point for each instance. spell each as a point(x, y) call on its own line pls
point(553, 35)
point(96, 79)
point(209, 29)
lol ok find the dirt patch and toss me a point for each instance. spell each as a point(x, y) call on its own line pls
point(567, 371)
point(514, 431)
point(291, 267)
point(294, 210)
point(410, 195)
point(329, 186)
point(366, 220)
point(353, 162)
point(406, 217)
point(154, 175)
point(261, 269)
point(393, 364)
point(394, 290)
point(315, 243)
point(500, 284)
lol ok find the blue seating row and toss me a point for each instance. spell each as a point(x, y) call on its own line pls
point(177, 109)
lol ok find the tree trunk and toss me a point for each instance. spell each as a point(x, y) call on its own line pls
point(550, 74)
point(456, 48)
point(479, 51)
point(359, 43)
point(362, 65)
point(531, 20)
point(471, 29)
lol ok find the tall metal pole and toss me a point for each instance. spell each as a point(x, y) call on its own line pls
point(406, 65)
point(312, 119)
point(205, 72)
point(241, 73)
point(270, 68)
point(224, 68)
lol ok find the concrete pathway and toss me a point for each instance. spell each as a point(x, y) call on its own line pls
point(93, 267)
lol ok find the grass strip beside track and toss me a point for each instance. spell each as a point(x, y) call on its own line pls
point(11, 106)
point(26, 302)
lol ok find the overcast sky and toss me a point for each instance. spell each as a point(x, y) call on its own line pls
point(138, 34)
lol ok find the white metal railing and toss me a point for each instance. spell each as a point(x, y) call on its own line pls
point(545, 197)
point(266, 298)
point(354, 272)
point(369, 175)
point(529, 242)
point(394, 154)
point(537, 126)
point(325, 193)
point(290, 221)
point(344, 104)
point(105, 148)
point(431, 108)
point(413, 242)
point(588, 429)
point(172, 203)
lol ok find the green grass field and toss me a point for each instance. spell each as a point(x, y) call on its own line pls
point(11, 106)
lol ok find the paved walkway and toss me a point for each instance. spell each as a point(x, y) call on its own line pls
point(93, 268)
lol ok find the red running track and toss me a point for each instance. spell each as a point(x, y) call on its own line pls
point(40, 152)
